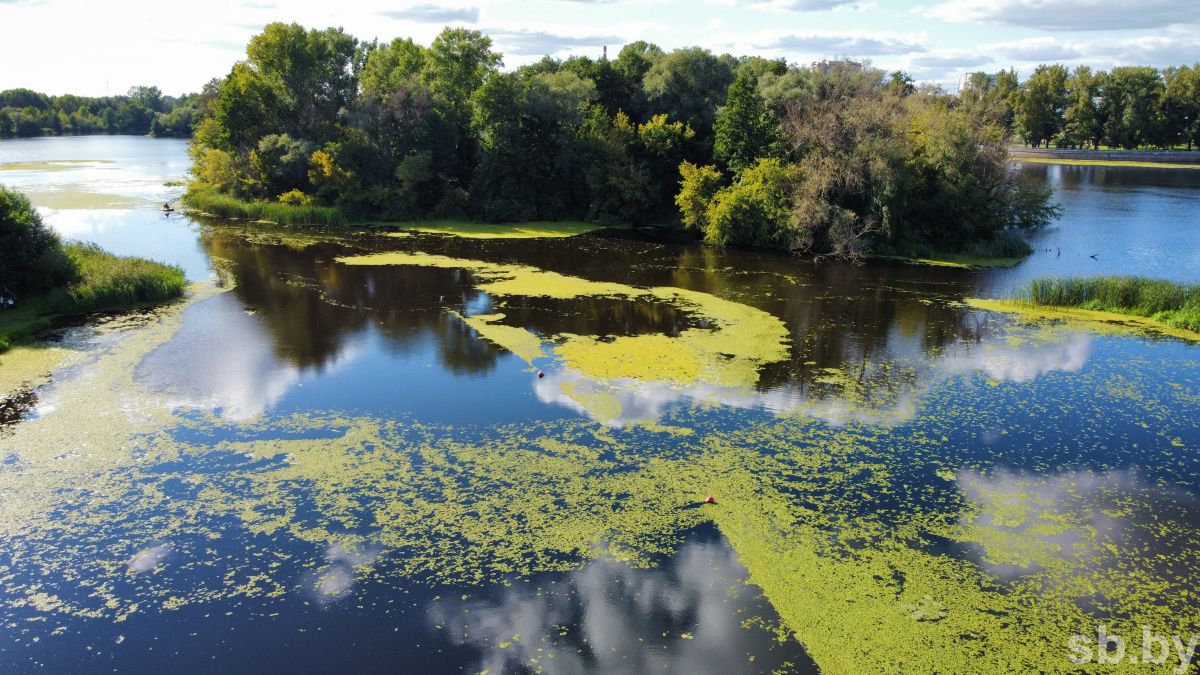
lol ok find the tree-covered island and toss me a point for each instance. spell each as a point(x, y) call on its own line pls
point(835, 158)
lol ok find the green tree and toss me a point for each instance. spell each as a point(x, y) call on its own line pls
point(310, 75)
point(1039, 116)
point(697, 186)
point(455, 66)
point(281, 164)
point(1082, 124)
point(689, 85)
point(619, 185)
point(900, 83)
point(663, 146)
point(745, 129)
point(1130, 105)
point(990, 97)
point(391, 67)
point(246, 109)
point(631, 65)
point(1181, 105)
point(755, 210)
point(32, 258)
point(150, 98)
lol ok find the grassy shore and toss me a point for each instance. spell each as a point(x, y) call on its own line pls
point(224, 206)
point(1105, 162)
point(106, 282)
point(1165, 306)
point(1169, 303)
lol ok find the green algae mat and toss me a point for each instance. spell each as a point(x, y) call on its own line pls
point(888, 541)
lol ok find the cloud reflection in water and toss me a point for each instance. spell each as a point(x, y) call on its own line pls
point(224, 359)
point(690, 615)
point(641, 402)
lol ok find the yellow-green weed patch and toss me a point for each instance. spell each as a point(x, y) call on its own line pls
point(525, 230)
point(1092, 320)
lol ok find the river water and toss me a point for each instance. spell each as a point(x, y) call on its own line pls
point(382, 450)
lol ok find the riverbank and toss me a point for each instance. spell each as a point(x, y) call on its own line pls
point(1149, 304)
point(1153, 159)
point(1003, 252)
point(223, 206)
point(106, 282)
point(959, 261)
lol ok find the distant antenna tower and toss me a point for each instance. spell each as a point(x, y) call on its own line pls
point(605, 57)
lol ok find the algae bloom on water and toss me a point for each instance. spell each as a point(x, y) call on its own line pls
point(727, 352)
point(527, 230)
point(1137, 303)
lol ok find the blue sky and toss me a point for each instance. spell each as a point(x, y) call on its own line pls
point(94, 48)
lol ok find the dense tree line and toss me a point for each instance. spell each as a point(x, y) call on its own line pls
point(836, 158)
point(144, 110)
point(1128, 107)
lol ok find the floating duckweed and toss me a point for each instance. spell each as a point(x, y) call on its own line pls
point(82, 199)
point(519, 341)
point(529, 230)
point(603, 406)
point(29, 366)
point(728, 352)
point(52, 165)
point(982, 571)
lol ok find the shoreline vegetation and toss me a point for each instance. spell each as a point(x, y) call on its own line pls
point(53, 280)
point(207, 204)
point(1130, 163)
point(835, 159)
point(25, 113)
point(1149, 304)
point(1154, 159)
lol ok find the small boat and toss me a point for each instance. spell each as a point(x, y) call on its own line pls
point(167, 209)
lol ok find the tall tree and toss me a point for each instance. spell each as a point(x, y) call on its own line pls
point(1130, 105)
point(1181, 105)
point(390, 67)
point(457, 63)
point(1043, 100)
point(689, 85)
point(745, 130)
point(1082, 124)
point(312, 76)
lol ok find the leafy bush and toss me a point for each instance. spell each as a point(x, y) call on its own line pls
point(31, 255)
point(755, 211)
point(295, 198)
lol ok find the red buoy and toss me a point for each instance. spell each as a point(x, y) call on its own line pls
point(709, 500)
point(541, 374)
